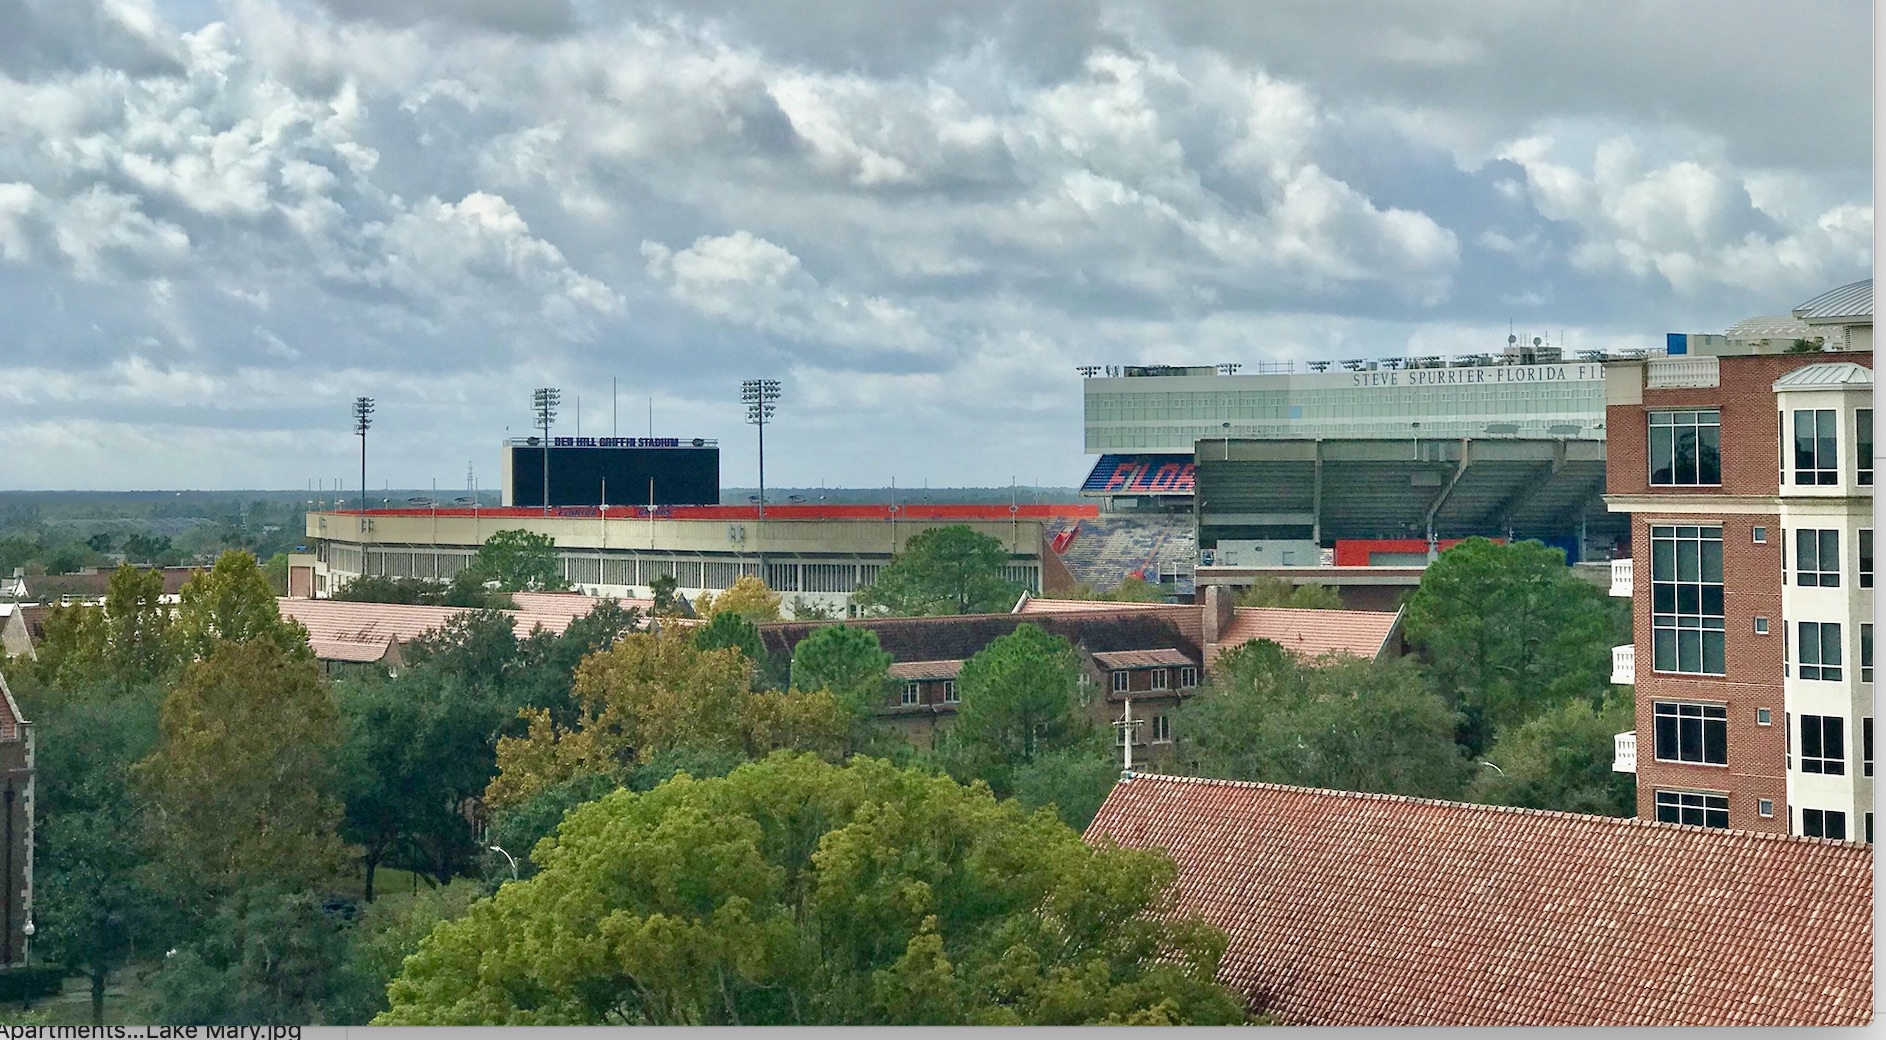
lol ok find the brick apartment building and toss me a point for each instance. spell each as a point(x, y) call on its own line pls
point(1748, 480)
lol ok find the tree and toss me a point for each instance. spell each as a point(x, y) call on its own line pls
point(139, 644)
point(242, 781)
point(1131, 589)
point(655, 692)
point(1072, 780)
point(944, 570)
point(373, 588)
point(266, 957)
point(1276, 592)
point(233, 602)
point(276, 571)
point(662, 589)
point(847, 661)
point(1017, 697)
point(811, 610)
point(1508, 632)
point(519, 561)
point(72, 654)
point(748, 597)
point(94, 899)
point(1338, 722)
point(797, 892)
point(1562, 760)
point(99, 543)
point(139, 548)
point(730, 628)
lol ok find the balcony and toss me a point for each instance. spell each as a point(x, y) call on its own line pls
point(1669, 373)
point(1624, 665)
point(1621, 583)
point(1624, 753)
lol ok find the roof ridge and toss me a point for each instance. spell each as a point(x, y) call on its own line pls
point(1483, 807)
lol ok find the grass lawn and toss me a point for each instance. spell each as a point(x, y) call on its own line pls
point(127, 1000)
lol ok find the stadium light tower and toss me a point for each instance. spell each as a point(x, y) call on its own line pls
point(363, 418)
point(759, 395)
point(545, 401)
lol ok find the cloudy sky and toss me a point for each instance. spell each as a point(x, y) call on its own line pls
point(220, 220)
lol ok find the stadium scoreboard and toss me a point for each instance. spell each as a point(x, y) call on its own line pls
point(664, 471)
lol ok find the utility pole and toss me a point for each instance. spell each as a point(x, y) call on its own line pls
point(545, 401)
point(759, 395)
point(363, 418)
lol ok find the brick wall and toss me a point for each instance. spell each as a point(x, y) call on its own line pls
point(1751, 576)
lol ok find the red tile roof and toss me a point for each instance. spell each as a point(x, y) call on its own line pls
point(926, 670)
point(340, 630)
point(1311, 633)
point(1353, 909)
point(10, 720)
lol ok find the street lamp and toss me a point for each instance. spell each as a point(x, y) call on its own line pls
point(759, 395)
point(545, 401)
point(507, 857)
point(363, 418)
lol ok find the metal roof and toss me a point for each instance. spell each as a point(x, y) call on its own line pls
point(1832, 375)
point(1770, 326)
point(1848, 301)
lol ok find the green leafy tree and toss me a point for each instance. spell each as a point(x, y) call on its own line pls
point(1276, 592)
point(139, 644)
point(811, 610)
point(944, 570)
point(546, 670)
point(519, 561)
point(266, 957)
point(846, 660)
point(374, 588)
point(72, 653)
point(242, 780)
point(1072, 780)
point(233, 602)
point(797, 892)
point(1562, 760)
point(94, 901)
point(1508, 632)
point(1338, 722)
point(654, 692)
point(1131, 589)
point(731, 629)
point(662, 589)
point(1018, 698)
point(99, 543)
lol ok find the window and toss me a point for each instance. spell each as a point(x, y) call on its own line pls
point(1817, 558)
point(1815, 459)
point(1119, 734)
point(1866, 557)
point(1120, 681)
point(1866, 746)
point(1699, 810)
point(1763, 717)
point(1765, 807)
point(1866, 652)
point(1761, 626)
point(1820, 650)
point(1787, 738)
point(1692, 733)
point(1863, 450)
point(1161, 678)
point(1162, 729)
point(1687, 623)
point(1824, 823)
point(1869, 828)
point(1761, 535)
point(1822, 749)
point(1686, 447)
point(1188, 677)
point(913, 693)
point(949, 692)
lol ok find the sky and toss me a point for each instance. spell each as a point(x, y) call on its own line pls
point(223, 220)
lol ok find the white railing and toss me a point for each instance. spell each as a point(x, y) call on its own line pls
point(1624, 753)
point(1621, 578)
point(1624, 665)
point(1671, 372)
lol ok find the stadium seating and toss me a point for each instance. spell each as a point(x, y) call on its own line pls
point(1109, 549)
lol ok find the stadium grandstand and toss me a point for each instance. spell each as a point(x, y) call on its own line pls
point(814, 554)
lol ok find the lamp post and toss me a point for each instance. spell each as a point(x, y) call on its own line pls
point(363, 418)
point(545, 401)
point(508, 859)
point(759, 395)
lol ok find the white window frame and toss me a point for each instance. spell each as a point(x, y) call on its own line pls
point(950, 696)
point(913, 693)
point(1161, 678)
point(1162, 729)
point(1188, 677)
point(1820, 471)
point(1121, 684)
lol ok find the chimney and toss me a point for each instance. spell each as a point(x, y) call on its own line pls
point(1218, 607)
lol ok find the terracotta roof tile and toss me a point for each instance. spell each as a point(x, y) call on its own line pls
point(340, 630)
point(1311, 633)
point(962, 636)
point(1349, 909)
